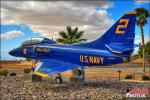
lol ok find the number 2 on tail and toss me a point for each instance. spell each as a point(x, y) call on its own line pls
point(123, 26)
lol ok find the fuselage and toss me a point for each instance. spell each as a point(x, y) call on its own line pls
point(73, 54)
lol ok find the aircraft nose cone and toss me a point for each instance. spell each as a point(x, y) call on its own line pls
point(12, 52)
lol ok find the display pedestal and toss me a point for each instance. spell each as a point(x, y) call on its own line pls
point(77, 77)
point(36, 78)
point(27, 77)
point(77, 80)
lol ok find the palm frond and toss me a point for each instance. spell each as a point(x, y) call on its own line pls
point(63, 34)
point(79, 40)
point(82, 40)
point(79, 35)
point(142, 15)
point(69, 30)
point(74, 32)
point(62, 41)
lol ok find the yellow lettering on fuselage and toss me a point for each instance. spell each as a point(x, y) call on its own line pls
point(81, 59)
point(42, 50)
point(86, 59)
point(91, 59)
point(24, 51)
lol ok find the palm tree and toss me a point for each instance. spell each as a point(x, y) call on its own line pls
point(71, 36)
point(142, 15)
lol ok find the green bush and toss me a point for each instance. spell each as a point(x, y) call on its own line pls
point(12, 73)
point(145, 77)
point(128, 77)
point(4, 72)
point(27, 70)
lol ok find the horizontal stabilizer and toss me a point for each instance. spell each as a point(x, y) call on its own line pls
point(49, 67)
point(118, 49)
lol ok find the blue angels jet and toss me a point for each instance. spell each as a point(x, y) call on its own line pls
point(113, 47)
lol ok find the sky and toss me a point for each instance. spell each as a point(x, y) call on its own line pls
point(21, 20)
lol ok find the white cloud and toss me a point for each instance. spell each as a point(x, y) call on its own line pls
point(139, 2)
point(48, 18)
point(138, 39)
point(11, 34)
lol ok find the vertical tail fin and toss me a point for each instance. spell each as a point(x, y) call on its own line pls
point(120, 37)
point(122, 32)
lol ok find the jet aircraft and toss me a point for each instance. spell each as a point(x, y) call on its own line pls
point(115, 46)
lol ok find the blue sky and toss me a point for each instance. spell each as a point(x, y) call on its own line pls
point(26, 28)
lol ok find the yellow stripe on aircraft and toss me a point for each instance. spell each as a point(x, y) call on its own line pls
point(41, 74)
point(132, 12)
point(116, 51)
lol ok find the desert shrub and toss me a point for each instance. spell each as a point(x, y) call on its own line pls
point(128, 77)
point(4, 72)
point(27, 70)
point(12, 73)
point(145, 77)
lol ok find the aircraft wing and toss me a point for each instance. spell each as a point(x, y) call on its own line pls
point(49, 67)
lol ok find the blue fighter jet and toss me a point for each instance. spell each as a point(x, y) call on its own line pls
point(115, 46)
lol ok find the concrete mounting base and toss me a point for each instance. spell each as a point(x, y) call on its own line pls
point(77, 80)
point(36, 78)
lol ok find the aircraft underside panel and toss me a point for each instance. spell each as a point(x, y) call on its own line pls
point(49, 67)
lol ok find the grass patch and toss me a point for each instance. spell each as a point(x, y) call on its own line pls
point(4, 72)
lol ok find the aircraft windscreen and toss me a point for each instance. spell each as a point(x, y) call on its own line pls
point(32, 41)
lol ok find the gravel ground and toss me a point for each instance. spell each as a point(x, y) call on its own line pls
point(17, 88)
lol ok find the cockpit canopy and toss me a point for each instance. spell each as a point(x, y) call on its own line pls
point(34, 41)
